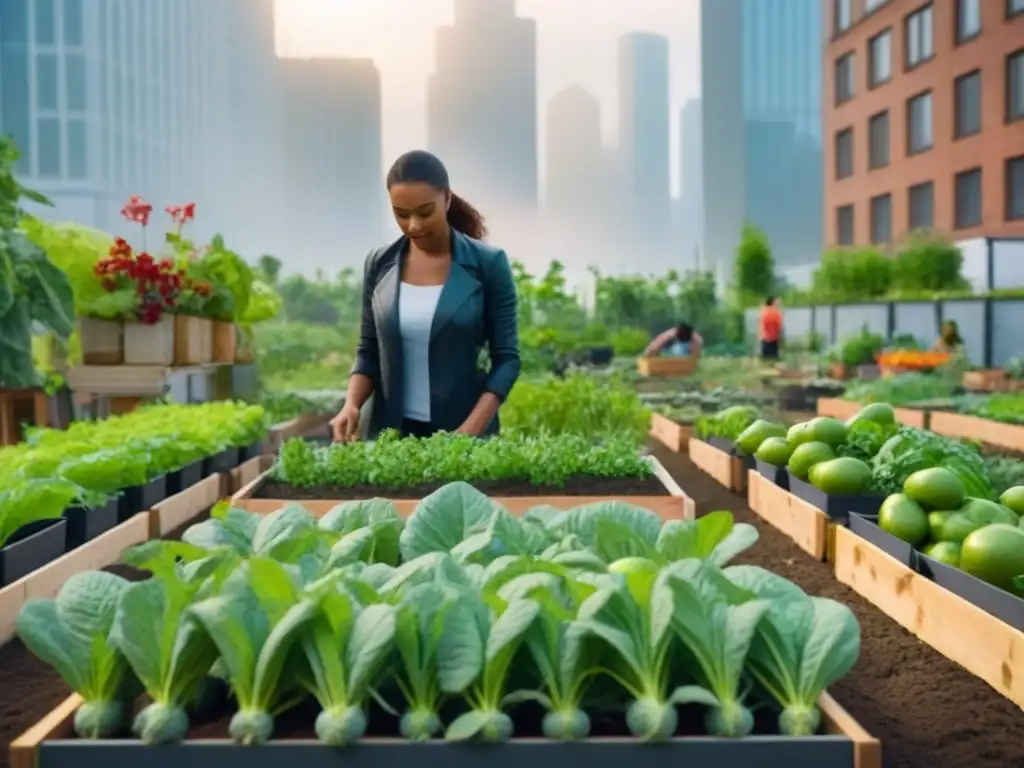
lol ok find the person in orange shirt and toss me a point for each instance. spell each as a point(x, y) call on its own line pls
point(771, 329)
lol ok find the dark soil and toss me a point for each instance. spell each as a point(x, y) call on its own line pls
point(575, 486)
point(927, 711)
point(29, 689)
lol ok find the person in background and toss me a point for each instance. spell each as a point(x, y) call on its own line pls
point(681, 340)
point(431, 300)
point(771, 329)
point(949, 340)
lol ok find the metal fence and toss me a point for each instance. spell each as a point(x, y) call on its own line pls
point(992, 329)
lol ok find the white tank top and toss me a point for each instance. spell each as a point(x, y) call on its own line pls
point(416, 307)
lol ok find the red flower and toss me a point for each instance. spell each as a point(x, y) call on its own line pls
point(137, 210)
point(180, 214)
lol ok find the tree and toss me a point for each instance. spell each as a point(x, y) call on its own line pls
point(270, 268)
point(754, 268)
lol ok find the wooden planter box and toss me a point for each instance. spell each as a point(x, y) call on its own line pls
point(844, 409)
point(297, 427)
point(193, 340)
point(666, 366)
point(18, 406)
point(247, 472)
point(177, 510)
point(727, 469)
point(800, 521)
point(97, 553)
point(838, 371)
point(671, 434)
point(1009, 436)
point(225, 342)
point(962, 632)
point(150, 344)
point(102, 341)
point(675, 505)
point(50, 743)
point(991, 380)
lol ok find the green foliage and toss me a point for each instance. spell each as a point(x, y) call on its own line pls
point(578, 404)
point(860, 349)
point(754, 268)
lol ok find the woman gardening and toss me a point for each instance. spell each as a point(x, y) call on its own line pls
point(949, 340)
point(431, 300)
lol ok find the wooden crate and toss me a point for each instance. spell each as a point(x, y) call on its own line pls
point(804, 523)
point(179, 509)
point(666, 366)
point(671, 434)
point(22, 405)
point(962, 632)
point(991, 380)
point(247, 472)
point(727, 470)
point(1009, 436)
point(675, 505)
point(837, 408)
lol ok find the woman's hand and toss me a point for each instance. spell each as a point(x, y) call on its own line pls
point(345, 426)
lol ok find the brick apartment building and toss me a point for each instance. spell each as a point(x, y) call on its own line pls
point(923, 119)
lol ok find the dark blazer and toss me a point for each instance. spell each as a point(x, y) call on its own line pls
point(477, 306)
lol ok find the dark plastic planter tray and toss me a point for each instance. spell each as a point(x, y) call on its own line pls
point(866, 526)
point(220, 463)
point(30, 547)
point(996, 602)
point(836, 507)
point(184, 478)
point(84, 524)
point(723, 445)
point(777, 475)
point(141, 498)
point(751, 752)
point(251, 451)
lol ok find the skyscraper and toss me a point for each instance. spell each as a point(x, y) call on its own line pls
point(691, 169)
point(482, 106)
point(578, 176)
point(722, 132)
point(332, 140)
point(644, 135)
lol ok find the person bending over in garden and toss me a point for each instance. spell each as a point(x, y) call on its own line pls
point(681, 340)
point(949, 340)
point(771, 329)
point(431, 300)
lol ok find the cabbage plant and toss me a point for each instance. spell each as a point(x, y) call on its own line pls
point(70, 634)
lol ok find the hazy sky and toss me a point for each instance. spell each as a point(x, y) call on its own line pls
point(577, 43)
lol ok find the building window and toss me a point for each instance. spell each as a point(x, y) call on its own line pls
point(1015, 86)
point(74, 33)
point(873, 5)
point(920, 43)
point(1013, 7)
point(922, 206)
point(880, 58)
point(878, 140)
point(844, 225)
point(46, 26)
point(919, 123)
point(844, 78)
point(46, 81)
point(48, 129)
point(843, 15)
point(968, 199)
point(844, 153)
point(968, 19)
point(881, 219)
point(78, 149)
point(74, 82)
point(1015, 188)
point(967, 104)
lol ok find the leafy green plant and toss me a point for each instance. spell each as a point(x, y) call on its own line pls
point(482, 612)
point(395, 462)
point(727, 423)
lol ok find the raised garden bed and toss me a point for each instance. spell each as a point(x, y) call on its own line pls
point(805, 524)
point(926, 710)
point(671, 434)
point(842, 744)
point(836, 508)
point(666, 366)
point(1009, 436)
point(728, 469)
point(844, 409)
point(961, 631)
point(659, 493)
